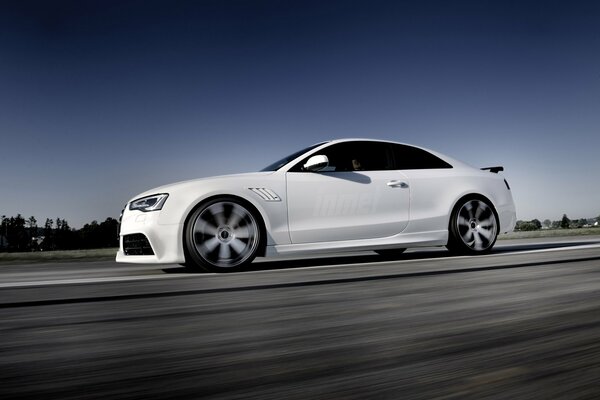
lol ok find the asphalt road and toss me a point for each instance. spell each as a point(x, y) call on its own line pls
point(521, 323)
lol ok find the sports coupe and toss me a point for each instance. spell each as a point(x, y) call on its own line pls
point(336, 196)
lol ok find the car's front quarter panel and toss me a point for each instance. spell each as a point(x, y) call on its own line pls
point(165, 228)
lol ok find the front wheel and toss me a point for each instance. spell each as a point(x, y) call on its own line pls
point(473, 227)
point(222, 235)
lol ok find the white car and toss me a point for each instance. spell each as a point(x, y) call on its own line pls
point(337, 196)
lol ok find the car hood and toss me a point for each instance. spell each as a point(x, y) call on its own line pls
point(183, 185)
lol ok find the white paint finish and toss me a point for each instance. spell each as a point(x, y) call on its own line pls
point(332, 206)
point(433, 194)
point(164, 240)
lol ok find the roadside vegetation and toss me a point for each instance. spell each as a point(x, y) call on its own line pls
point(563, 223)
point(58, 256)
point(543, 233)
point(18, 235)
point(548, 228)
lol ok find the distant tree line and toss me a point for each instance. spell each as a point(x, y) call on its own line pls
point(20, 234)
point(563, 223)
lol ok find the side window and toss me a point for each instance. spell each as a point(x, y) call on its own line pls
point(355, 156)
point(408, 157)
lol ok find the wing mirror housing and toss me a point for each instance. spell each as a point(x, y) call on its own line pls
point(316, 163)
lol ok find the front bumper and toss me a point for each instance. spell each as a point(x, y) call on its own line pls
point(165, 239)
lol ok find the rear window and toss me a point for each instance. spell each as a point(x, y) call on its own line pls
point(408, 157)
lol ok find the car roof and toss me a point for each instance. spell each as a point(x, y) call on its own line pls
point(454, 162)
point(341, 140)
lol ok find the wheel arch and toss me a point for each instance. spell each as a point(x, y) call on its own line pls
point(474, 196)
point(262, 246)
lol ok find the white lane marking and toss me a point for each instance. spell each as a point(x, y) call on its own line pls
point(76, 281)
point(89, 280)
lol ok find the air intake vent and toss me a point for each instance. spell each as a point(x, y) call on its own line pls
point(137, 245)
point(266, 194)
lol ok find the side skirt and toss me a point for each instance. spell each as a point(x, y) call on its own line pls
point(403, 240)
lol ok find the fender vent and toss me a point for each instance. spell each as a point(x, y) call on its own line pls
point(266, 194)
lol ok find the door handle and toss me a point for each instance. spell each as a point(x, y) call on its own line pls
point(401, 184)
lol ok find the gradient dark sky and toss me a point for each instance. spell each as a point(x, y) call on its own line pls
point(102, 100)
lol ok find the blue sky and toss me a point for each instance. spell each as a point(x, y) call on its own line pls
point(102, 100)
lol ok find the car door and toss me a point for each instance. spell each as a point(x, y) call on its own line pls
point(358, 196)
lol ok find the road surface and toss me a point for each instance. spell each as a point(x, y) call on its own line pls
point(521, 323)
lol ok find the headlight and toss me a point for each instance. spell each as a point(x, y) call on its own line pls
point(149, 203)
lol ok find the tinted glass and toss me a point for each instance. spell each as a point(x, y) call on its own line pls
point(408, 157)
point(355, 156)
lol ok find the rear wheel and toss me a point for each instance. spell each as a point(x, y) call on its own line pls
point(222, 235)
point(473, 227)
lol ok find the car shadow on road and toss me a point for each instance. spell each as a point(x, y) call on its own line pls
point(349, 259)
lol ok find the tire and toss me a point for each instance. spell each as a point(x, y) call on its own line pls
point(222, 235)
point(390, 253)
point(473, 227)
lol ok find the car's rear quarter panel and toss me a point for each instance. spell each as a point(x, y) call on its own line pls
point(434, 193)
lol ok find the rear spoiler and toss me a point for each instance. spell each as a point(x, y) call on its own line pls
point(495, 170)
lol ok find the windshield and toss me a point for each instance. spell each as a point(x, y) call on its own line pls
point(280, 163)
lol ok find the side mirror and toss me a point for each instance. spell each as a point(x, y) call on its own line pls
point(316, 163)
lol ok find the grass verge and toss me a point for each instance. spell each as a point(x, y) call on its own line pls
point(544, 233)
point(61, 255)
